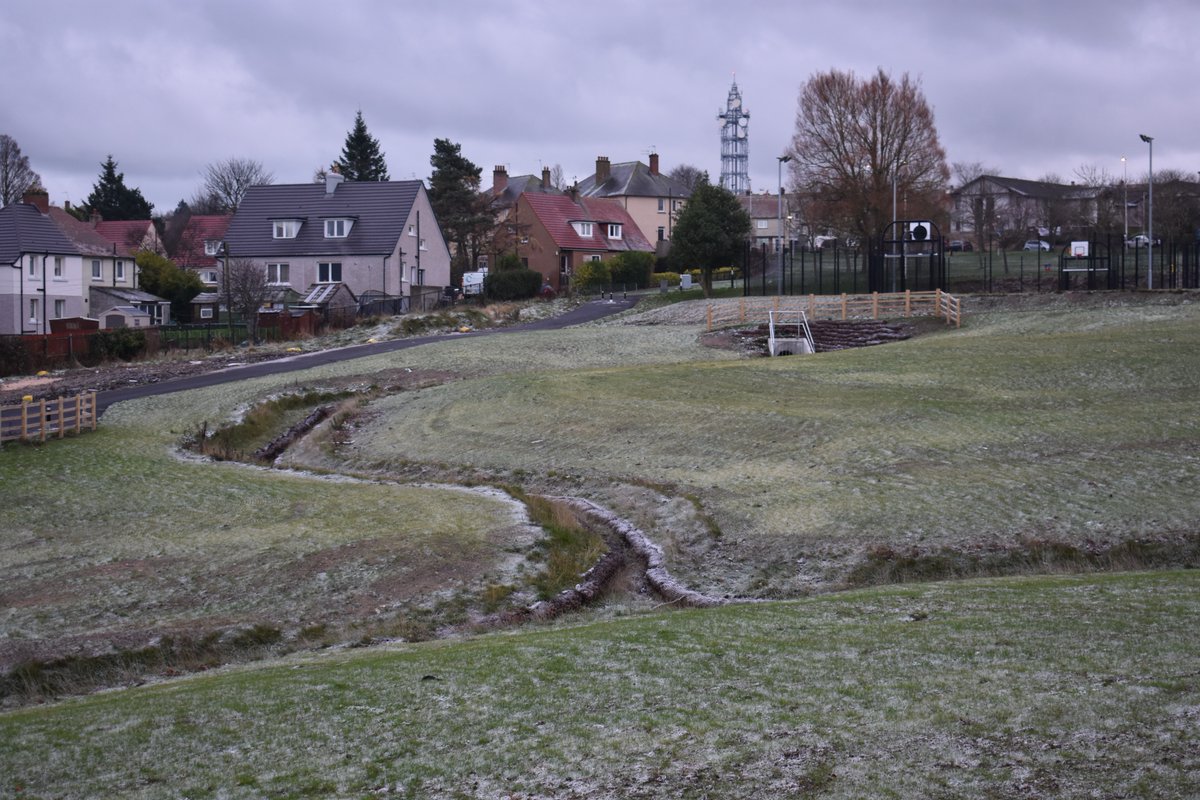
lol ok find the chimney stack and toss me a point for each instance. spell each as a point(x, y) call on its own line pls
point(95, 218)
point(499, 179)
point(573, 192)
point(545, 179)
point(38, 198)
point(603, 169)
point(332, 179)
point(654, 163)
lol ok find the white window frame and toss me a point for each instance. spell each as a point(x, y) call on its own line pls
point(58, 268)
point(584, 229)
point(761, 224)
point(326, 268)
point(285, 228)
point(212, 247)
point(97, 269)
point(662, 206)
point(33, 309)
point(614, 230)
point(278, 274)
point(60, 309)
point(338, 228)
point(119, 270)
point(206, 312)
point(595, 258)
point(422, 246)
point(209, 276)
point(32, 267)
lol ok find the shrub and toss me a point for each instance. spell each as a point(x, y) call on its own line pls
point(119, 343)
point(632, 269)
point(592, 275)
point(672, 278)
point(516, 284)
point(14, 358)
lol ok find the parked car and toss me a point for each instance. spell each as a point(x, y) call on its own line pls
point(1141, 240)
point(960, 246)
point(1036, 244)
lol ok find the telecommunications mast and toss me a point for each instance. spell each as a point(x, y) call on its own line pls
point(735, 143)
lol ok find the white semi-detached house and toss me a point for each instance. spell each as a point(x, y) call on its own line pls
point(41, 271)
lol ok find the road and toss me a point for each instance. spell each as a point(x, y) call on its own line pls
point(587, 312)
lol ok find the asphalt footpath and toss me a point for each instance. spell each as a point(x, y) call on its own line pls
point(588, 312)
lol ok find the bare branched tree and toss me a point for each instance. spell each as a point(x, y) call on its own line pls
point(227, 181)
point(16, 176)
point(854, 138)
point(688, 175)
point(557, 180)
point(246, 290)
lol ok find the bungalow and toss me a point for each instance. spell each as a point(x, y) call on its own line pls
point(365, 234)
point(566, 230)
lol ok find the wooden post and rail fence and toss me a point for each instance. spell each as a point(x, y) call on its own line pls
point(844, 307)
point(38, 420)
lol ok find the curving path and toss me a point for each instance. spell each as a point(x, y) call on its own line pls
point(588, 312)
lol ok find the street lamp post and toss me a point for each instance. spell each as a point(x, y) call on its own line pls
point(1125, 186)
point(782, 160)
point(1150, 225)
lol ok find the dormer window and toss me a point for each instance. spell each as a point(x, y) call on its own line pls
point(614, 230)
point(212, 247)
point(584, 229)
point(338, 228)
point(287, 228)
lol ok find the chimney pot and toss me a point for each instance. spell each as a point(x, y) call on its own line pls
point(499, 179)
point(603, 169)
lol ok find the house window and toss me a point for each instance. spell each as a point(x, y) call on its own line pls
point(119, 271)
point(60, 309)
point(96, 271)
point(206, 312)
point(662, 206)
point(594, 258)
point(662, 233)
point(337, 228)
point(32, 267)
point(329, 272)
point(277, 274)
point(583, 228)
point(209, 276)
point(211, 247)
point(422, 245)
point(286, 228)
point(614, 231)
point(412, 230)
point(33, 309)
point(58, 268)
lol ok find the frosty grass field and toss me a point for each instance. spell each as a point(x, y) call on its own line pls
point(1062, 425)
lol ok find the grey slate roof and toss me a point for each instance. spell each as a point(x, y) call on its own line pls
point(633, 179)
point(1038, 189)
point(24, 229)
point(125, 296)
point(518, 185)
point(379, 210)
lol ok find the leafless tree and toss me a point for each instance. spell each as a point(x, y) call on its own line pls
point(854, 138)
point(16, 176)
point(246, 290)
point(557, 179)
point(966, 171)
point(228, 180)
point(204, 203)
point(688, 175)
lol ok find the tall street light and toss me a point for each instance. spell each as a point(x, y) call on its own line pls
point(1125, 186)
point(782, 160)
point(1150, 225)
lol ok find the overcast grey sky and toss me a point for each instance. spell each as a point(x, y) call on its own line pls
point(1028, 87)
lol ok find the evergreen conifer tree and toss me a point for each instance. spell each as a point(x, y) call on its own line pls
point(113, 200)
point(361, 159)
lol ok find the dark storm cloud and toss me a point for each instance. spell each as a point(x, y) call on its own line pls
point(1027, 87)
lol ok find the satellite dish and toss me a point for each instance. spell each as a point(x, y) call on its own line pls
point(743, 121)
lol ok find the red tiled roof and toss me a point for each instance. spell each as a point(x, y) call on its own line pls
point(557, 212)
point(125, 233)
point(201, 228)
point(86, 240)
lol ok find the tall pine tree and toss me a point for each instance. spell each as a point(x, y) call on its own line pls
point(113, 200)
point(462, 212)
point(361, 160)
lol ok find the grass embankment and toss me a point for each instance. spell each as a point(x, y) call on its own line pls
point(1049, 687)
point(1055, 425)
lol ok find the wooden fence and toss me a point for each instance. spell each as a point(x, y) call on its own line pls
point(754, 310)
point(41, 419)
